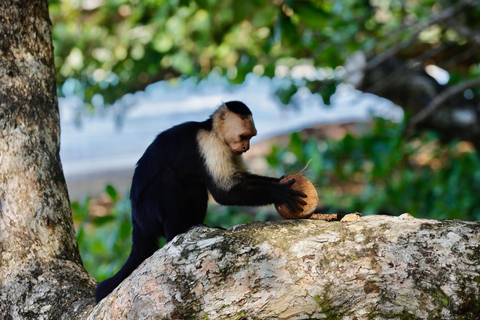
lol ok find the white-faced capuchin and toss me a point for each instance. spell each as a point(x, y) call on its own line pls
point(170, 185)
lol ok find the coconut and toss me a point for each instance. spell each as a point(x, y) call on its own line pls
point(304, 185)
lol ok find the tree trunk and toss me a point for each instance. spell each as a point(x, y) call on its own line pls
point(375, 267)
point(40, 266)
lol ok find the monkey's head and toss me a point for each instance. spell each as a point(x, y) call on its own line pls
point(233, 123)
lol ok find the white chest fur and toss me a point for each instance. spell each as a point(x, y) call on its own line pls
point(222, 164)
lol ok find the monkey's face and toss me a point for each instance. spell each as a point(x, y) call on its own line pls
point(238, 130)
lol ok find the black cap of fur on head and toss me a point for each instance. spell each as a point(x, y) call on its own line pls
point(238, 108)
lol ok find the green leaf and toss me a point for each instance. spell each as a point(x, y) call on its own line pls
point(242, 9)
point(264, 16)
point(312, 16)
point(112, 193)
point(288, 32)
point(285, 94)
point(99, 221)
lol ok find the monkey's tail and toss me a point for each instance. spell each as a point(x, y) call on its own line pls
point(141, 249)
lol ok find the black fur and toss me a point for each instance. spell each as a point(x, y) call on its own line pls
point(239, 108)
point(169, 193)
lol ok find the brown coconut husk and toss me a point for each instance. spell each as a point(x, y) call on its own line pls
point(324, 216)
point(304, 185)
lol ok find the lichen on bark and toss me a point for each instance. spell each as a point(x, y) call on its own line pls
point(371, 268)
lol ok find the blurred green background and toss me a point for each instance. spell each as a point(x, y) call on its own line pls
point(427, 165)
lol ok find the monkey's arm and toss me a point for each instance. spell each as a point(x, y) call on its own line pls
point(253, 190)
point(255, 177)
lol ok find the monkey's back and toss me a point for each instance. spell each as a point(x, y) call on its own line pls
point(175, 149)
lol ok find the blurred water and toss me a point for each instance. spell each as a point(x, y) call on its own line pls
point(100, 151)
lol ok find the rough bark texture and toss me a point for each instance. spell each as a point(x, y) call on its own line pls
point(40, 266)
point(375, 267)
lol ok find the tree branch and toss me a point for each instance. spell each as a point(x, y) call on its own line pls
point(441, 98)
point(444, 15)
point(375, 266)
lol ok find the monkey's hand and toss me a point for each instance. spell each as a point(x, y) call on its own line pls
point(291, 197)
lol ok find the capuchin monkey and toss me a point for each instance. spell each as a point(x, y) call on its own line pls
point(169, 192)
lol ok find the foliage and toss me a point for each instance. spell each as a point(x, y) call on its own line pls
point(104, 241)
point(106, 48)
point(383, 172)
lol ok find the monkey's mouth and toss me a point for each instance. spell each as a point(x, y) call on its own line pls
point(238, 152)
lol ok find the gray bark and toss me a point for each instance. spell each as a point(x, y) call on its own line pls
point(41, 270)
point(375, 267)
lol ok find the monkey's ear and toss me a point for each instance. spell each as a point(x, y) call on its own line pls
point(221, 113)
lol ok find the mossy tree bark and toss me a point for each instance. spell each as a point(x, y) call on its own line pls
point(41, 272)
point(375, 267)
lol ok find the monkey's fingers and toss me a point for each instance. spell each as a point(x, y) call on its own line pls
point(290, 208)
point(298, 193)
point(294, 197)
point(302, 202)
point(292, 205)
point(289, 183)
